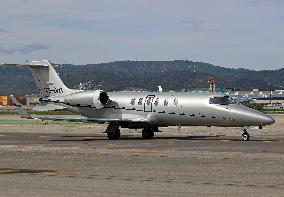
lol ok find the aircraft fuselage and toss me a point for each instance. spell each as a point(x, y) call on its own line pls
point(177, 108)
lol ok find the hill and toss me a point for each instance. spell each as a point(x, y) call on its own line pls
point(146, 75)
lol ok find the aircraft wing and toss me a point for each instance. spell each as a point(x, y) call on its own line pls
point(24, 114)
point(48, 107)
point(88, 120)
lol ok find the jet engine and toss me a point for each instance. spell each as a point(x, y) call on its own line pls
point(97, 99)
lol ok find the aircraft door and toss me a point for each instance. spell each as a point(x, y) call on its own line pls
point(148, 104)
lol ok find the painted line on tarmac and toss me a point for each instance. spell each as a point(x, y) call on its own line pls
point(43, 136)
point(224, 140)
point(266, 140)
point(146, 143)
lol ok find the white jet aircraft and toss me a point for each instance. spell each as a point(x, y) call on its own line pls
point(139, 110)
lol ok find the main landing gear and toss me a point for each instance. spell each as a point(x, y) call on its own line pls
point(113, 131)
point(148, 133)
point(245, 135)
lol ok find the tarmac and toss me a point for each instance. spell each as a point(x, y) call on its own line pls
point(46, 159)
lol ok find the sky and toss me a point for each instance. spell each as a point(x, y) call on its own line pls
point(229, 33)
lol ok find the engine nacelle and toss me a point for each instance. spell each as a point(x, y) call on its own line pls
point(97, 99)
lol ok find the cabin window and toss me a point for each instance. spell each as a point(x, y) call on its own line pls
point(140, 101)
point(176, 101)
point(166, 102)
point(133, 101)
point(156, 102)
point(221, 100)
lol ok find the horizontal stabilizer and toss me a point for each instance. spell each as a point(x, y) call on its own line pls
point(43, 63)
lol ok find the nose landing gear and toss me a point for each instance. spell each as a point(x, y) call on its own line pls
point(245, 135)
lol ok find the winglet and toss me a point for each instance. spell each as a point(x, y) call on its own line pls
point(21, 111)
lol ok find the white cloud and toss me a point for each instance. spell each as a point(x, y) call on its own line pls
point(3, 31)
point(28, 48)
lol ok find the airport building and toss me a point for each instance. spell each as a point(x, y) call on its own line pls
point(5, 101)
point(275, 97)
point(264, 97)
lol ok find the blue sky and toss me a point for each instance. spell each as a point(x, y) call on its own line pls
point(230, 33)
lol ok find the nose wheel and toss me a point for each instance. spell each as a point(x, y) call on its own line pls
point(245, 136)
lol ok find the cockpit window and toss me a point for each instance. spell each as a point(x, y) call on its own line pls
point(221, 100)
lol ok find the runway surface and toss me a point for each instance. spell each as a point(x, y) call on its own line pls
point(78, 160)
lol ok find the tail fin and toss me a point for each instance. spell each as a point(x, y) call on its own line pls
point(47, 80)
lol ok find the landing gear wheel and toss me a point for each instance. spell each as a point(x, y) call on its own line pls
point(147, 133)
point(113, 131)
point(114, 135)
point(245, 136)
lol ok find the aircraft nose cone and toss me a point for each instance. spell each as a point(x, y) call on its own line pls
point(250, 117)
point(267, 120)
point(263, 119)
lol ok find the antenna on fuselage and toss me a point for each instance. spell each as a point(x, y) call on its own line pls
point(212, 84)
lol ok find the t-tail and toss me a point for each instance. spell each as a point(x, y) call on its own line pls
point(47, 80)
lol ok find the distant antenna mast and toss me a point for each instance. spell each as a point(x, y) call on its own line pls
point(212, 84)
point(270, 88)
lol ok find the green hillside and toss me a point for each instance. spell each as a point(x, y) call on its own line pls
point(147, 75)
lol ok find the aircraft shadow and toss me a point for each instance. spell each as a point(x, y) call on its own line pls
point(131, 138)
point(254, 140)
